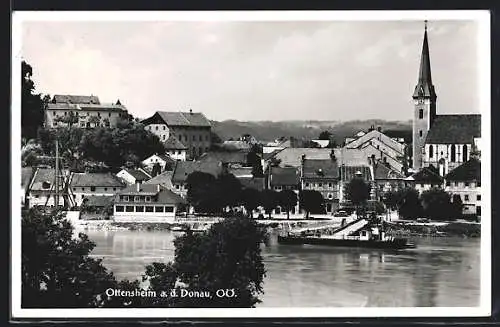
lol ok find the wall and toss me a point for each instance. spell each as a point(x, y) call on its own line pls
point(469, 195)
point(83, 115)
point(42, 198)
point(194, 138)
point(177, 154)
point(79, 192)
point(129, 179)
point(144, 216)
point(160, 130)
point(444, 151)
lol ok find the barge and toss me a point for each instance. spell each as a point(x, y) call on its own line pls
point(361, 233)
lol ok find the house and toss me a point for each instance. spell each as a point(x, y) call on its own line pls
point(146, 203)
point(442, 141)
point(42, 190)
point(130, 176)
point(83, 111)
point(386, 179)
point(287, 178)
point(322, 175)
point(84, 185)
point(184, 168)
point(425, 179)
point(175, 149)
point(350, 170)
point(228, 158)
point(164, 179)
point(192, 129)
point(465, 181)
point(26, 176)
point(165, 162)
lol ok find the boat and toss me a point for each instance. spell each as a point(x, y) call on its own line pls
point(360, 233)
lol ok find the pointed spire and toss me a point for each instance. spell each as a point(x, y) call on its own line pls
point(424, 87)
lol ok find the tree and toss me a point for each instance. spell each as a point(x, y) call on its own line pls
point(70, 119)
point(358, 192)
point(228, 189)
point(254, 160)
point(200, 187)
point(251, 200)
point(437, 204)
point(287, 199)
point(57, 271)
point(325, 135)
point(228, 256)
point(32, 105)
point(156, 170)
point(457, 207)
point(269, 200)
point(409, 205)
point(30, 152)
point(311, 201)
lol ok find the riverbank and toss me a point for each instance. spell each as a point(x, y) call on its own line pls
point(460, 229)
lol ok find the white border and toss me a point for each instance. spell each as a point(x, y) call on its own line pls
point(483, 18)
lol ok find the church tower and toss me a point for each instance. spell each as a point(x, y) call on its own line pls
point(424, 100)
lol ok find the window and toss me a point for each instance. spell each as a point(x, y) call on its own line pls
point(447, 183)
point(125, 198)
point(207, 138)
point(149, 209)
point(453, 156)
point(136, 198)
point(421, 184)
point(159, 209)
point(478, 183)
point(129, 208)
point(330, 195)
point(466, 197)
point(92, 188)
point(114, 188)
point(420, 133)
point(156, 128)
point(164, 127)
point(277, 188)
point(109, 114)
point(201, 150)
point(82, 124)
point(65, 113)
point(464, 154)
point(74, 188)
point(478, 210)
point(177, 186)
point(37, 196)
point(478, 197)
point(330, 185)
point(431, 151)
point(201, 138)
point(163, 136)
point(148, 199)
point(307, 184)
point(169, 209)
point(105, 188)
point(179, 152)
point(320, 185)
point(421, 114)
point(98, 114)
point(119, 209)
point(466, 184)
point(139, 208)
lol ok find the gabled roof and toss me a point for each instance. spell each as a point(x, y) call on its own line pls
point(184, 168)
point(165, 196)
point(468, 171)
point(45, 177)
point(66, 98)
point(138, 174)
point(284, 176)
point(347, 173)
point(87, 107)
point(257, 183)
point(164, 179)
point(185, 119)
point(454, 129)
point(162, 156)
point(26, 175)
point(292, 157)
point(172, 143)
point(229, 157)
point(322, 168)
point(427, 175)
point(95, 179)
point(384, 171)
point(376, 136)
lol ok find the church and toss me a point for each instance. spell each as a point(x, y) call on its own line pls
point(442, 141)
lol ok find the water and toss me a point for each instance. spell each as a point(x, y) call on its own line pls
point(441, 272)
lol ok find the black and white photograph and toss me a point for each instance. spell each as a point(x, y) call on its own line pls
point(251, 164)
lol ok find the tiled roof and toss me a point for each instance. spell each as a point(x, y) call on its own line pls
point(384, 171)
point(184, 168)
point(468, 171)
point(26, 175)
point(230, 157)
point(320, 168)
point(172, 143)
point(138, 174)
point(171, 118)
point(236, 145)
point(165, 196)
point(87, 107)
point(256, 183)
point(66, 98)
point(349, 172)
point(95, 179)
point(284, 176)
point(164, 179)
point(427, 175)
point(269, 155)
point(98, 201)
point(458, 129)
point(47, 176)
point(292, 156)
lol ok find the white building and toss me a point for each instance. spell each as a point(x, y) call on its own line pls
point(85, 185)
point(42, 189)
point(465, 181)
point(130, 176)
point(162, 159)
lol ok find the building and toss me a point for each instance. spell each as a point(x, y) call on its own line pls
point(164, 179)
point(131, 176)
point(183, 169)
point(165, 162)
point(84, 185)
point(175, 149)
point(322, 175)
point(425, 179)
point(386, 179)
point(26, 176)
point(42, 190)
point(83, 111)
point(279, 179)
point(228, 158)
point(443, 141)
point(465, 181)
point(146, 203)
point(192, 129)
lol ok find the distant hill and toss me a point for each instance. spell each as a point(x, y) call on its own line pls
point(269, 131)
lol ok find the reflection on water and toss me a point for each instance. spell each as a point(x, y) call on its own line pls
point(440, 272)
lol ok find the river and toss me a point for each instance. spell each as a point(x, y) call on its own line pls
point(443, 272)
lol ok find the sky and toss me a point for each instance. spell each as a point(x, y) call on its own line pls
point(254, 71)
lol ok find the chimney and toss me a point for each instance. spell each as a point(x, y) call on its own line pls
point(138, 185)
point(379, 129)
point(303, 157)
point(191, 111)
point(332, 155)
point(158, 188)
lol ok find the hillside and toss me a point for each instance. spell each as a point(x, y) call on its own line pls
point(269, 131)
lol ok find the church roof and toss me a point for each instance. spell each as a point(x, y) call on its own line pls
point(424, 87)
point(459, 129)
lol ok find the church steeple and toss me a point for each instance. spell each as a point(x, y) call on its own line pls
point(424, 87)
